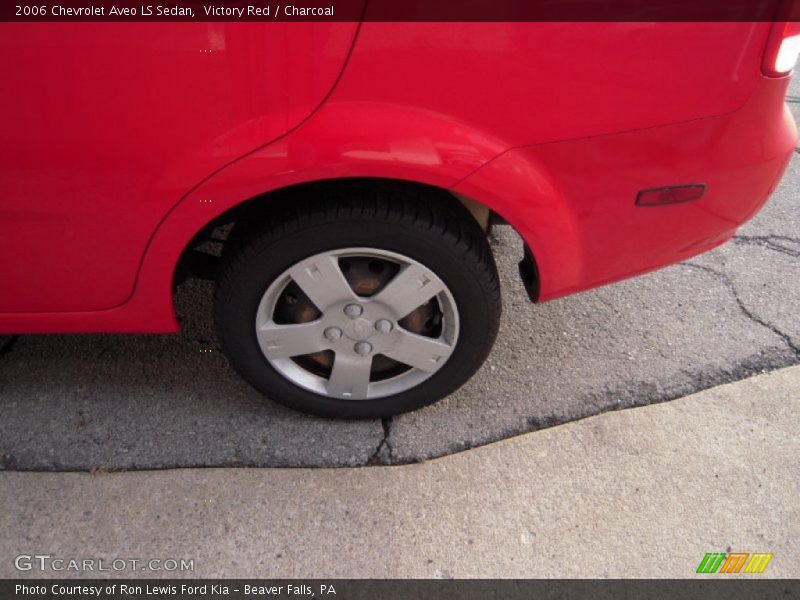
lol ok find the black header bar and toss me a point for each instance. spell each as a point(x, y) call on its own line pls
point(399, 10)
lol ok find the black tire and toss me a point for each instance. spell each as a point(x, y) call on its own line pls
point(424, 224)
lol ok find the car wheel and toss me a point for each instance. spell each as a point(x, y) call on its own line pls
point(358, 303)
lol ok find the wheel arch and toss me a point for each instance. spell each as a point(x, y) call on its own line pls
point(341, 141)
point(250, 212)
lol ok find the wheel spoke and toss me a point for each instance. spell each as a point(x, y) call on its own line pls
point(285, 341)
point(411, 288)
point(418, 351)
point(350, 377)
point(322, 281)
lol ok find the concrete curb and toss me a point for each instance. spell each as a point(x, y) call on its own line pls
point(644, 492)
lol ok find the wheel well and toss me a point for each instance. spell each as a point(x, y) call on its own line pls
point(201, 257)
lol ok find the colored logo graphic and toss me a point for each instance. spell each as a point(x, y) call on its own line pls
point(734, 562)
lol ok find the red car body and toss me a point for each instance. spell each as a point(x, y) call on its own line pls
point(121, 141)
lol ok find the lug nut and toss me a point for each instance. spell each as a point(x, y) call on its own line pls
point(362, 348)
point(333, 333)
point(383, 326)
point(353, 310)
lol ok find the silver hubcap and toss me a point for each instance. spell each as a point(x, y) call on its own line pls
point(358, 323)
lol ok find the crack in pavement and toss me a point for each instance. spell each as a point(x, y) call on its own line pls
point(745, 311)
point(771, 242)
point(384, 446)
point(644, 393)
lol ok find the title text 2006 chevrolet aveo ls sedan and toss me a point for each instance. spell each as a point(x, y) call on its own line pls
point(356, 168)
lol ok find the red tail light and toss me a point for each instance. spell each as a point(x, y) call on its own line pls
point(783, 47)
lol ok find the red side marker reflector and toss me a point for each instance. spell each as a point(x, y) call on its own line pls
point(674, 194)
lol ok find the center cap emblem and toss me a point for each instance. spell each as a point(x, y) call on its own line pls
point(358, 329)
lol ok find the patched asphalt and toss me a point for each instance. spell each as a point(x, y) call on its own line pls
point(141, 402)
